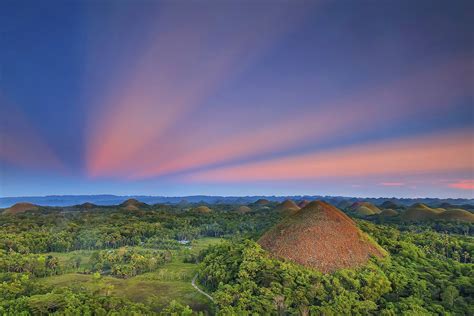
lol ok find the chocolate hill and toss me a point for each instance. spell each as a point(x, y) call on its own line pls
point(420, 212)
point(388, 213)
point(322, 237)
point(202, 209)
point(133, 205)
point(344, 204)
point(87, 206)
point(303, 203)
point(389, 205)
point(262, 202)
point(364, 208)
point(287, 207)
point(243, 209)
point(457, 215)
point(21, 207)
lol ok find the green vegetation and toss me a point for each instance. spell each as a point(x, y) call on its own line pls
point(425, 274)
point(139, 259)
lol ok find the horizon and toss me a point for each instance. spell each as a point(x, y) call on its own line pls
point(237, 98)
point(113, 200)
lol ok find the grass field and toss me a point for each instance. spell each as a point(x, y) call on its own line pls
point(157, 288)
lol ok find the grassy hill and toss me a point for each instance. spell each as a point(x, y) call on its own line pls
point(364, 209)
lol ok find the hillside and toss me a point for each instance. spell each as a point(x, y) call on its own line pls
point(364, 209)
point(389, 205)
point(203, 209)
point(87, 206)
point(388, 213)
point(243, 209)
point(133, 205)
point(21, 207)
point(322, 237)
point(262, 202)
point(457, 215)
point(303, 203)
point(287, 207)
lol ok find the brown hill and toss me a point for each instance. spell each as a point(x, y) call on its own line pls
point(457, 215)
point(203, 209)
point(133, 205)
point(389, 205)
point(344, 204)
point(243, 209)
point(287, 207)
point(364, 208)
point(303, 203)
point(87, 206)
point(21, 207)
point(262, 202)
point(420, 212)
point(374, 209)
point(388, 213)
point(322, 237)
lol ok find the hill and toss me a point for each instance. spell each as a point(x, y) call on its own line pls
point(21, 208)
point(364, 208)
point(203, 209)
point(420, 212)
point(344, 204)
point(303, 203)
point(457, 215)
point(287, 207)
point(389, 205)
point(262, 202)
point(243, 209)
point(388, 213)
point(87, 206)
point(133, 205)
point(322, 237)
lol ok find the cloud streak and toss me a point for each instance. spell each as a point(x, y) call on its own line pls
point(188, 58)
point(429, 154)
point(21, 144)
point(382, 106)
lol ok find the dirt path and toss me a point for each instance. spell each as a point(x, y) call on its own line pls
point(193, 283)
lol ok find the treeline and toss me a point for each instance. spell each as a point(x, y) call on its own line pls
point(64, 232)
point(417, 278)
point(22, 295)
point(128, 262)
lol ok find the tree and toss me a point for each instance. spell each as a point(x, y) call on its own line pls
point(176, 309)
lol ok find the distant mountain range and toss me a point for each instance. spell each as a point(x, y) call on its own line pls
point(106, 199)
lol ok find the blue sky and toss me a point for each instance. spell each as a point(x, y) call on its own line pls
point(237, 98)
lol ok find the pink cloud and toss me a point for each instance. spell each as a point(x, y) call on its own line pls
point(422, 155)
point(462, 185)
point(392, 184)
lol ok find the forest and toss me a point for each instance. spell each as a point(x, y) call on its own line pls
point(139, 259)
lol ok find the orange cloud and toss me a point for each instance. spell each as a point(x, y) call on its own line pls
point(463, 185)
point(429, 154)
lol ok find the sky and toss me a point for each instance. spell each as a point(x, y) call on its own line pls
point(353, 98)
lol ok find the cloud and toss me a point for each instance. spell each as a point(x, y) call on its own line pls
point(392, 184)
point(21, 144)
point(192, 50)
point(381, 106)
point(448, 152)
point(462, 185)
